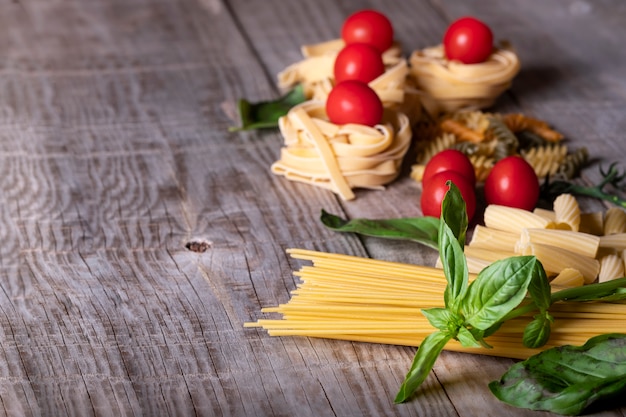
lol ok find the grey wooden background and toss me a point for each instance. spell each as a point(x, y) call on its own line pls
point(115, 156)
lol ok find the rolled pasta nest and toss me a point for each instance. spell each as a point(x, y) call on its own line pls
point(449, 86)
point(315, 73)
point(341, 157)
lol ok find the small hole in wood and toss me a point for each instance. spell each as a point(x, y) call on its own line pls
point(198, 246)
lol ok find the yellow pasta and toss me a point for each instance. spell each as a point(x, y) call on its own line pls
point(614, 242)
point(577, 242)
point(449, 86)
point(341, 158)
point(549, 215)
point(512, 219)
point(555, 260)
point(567, 212)
point(614, 221)
point(567, 278)
point(611, 267)
point(493, 239)
point(545, 160)
point(365, 300)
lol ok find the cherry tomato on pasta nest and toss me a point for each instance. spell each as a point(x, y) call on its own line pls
point(468, 40)
point(358, 61)
point(435, 189)
point(354, 102)
point(449, 160)
point(512, 182)
point(370, 27)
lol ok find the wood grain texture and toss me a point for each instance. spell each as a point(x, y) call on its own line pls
point(115, 155)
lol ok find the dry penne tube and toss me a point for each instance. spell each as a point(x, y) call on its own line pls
point(514, 220)
point(582, 243)
point(490, 255)
point(567, 212)
point(611, 267)
point(548, 214)
point(614, 221)
point(490, 238)
point(567, 278)
point(614, 242)
point(555, 260)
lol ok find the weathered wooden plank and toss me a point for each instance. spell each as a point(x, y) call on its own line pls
point(114, 155)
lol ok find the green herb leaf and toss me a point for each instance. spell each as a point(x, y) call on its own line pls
point(425, 358)
point(452, 231)
point(537, 332)
point(497, 290)
point(265, 114)
point(422, 230)
point(470, 338)
point(442, 318)
point(454, 212)
point(540, 290)
point(568, 379)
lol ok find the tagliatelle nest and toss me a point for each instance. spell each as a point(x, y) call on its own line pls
point(449, 86)
point(341, 157)
point(315, 73)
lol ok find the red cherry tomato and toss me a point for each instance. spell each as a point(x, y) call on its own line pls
point(434, 190)
point(370, 27)
point(358, 61)
point(512, 182)
point(449, 160)
point(468, 40)
point(354, 102)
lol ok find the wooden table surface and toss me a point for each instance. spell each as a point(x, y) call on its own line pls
point(115, 159)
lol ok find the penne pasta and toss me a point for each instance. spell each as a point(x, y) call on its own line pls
point(567, 212)
point(555, 260)
point(611, 267)
point(577, 242)
point(493, 239)
point(514, 220)
point(614, 221)
point(567, 278)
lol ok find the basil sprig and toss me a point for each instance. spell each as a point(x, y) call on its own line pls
point(471, 311)
point(265, 114)
point(504, 290)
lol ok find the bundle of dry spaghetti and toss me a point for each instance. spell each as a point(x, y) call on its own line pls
point(360, 299)
point(341, 157)
point(449, 86)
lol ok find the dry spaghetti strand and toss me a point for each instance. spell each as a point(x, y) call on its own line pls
point(365, 300)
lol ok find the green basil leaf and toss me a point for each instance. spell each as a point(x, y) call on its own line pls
point(497, 290)
point(442, 318)
point(425, 357)
point(454, 213)
point(452, 231)
point(540, 291)
point(469, 338)
point(537, 332)
point(568, 379)
point(265, 114)
point(422, 230)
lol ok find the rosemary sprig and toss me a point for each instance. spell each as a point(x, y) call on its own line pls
point(613, 176)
